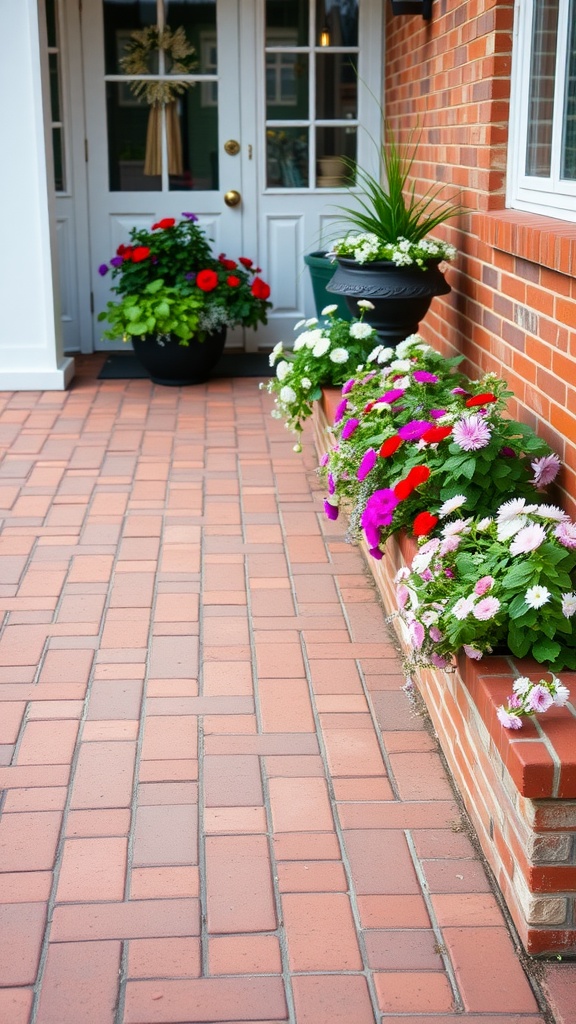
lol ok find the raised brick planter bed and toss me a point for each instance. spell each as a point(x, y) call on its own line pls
point(519, 788)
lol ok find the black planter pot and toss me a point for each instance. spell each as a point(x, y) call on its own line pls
point(174, 365)
point(401, 295)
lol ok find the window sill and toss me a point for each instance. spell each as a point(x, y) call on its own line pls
point(543, 240)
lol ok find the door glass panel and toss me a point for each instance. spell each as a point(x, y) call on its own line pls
point(58, 152)
point(51, 22)
point(569, 140)
point(336, 86)
point(287, 86)
point(290, 16)
point(541, 102)
point(287, 157)
point(335, 157)
point(337, 23)
point(162, 133)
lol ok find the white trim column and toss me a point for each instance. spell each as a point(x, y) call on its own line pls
point(31, 354)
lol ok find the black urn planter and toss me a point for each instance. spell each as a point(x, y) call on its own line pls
point(401, 296)
point(169, 363)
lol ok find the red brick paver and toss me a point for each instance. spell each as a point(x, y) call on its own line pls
point(216, 802)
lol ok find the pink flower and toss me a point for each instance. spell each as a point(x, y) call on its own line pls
point(507, 720)
point(539, 698)
point(340, 410)
point(391, 396)
point(413, 430)
point(426, 576)
point(376, 553)
point(566, 534)
point(331, 483)
point(417, 634)
point(437, 414)
point(486, 609)
point(449, 544)
point(472, 652)
point(438, 660)
point(435, 634)
point(402, 595)
point(348, 386)
point(528, 539)
point(484, 584)
point(424, 377)
point(471, 433)
point(367, 464)
point(324, 460)
point(330, 509)
point(545, 470)
point(349, 428)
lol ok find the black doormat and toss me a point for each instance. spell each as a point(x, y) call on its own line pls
point(125, 366)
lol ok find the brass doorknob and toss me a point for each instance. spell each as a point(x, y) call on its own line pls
point(232, 198)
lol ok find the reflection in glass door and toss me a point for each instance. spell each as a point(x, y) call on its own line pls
point(161, 95)
point(312, 53)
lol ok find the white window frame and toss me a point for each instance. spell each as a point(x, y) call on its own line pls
point(551, 196)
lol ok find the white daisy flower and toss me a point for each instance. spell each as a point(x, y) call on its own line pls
point(484, 524)
point(365, 304)
point(386, 355)
point(463, 607)
point(521, 685)
point(552, 512)
point(312, 337)
point(401, 365)
point(321, 347)
point(301, 341)
point(287, 394)
point(535, 597)
point(283, 369)
point(451, 505)
point(374, 353)
point(456, 528)
point(339, 355)
point(328, 310)
point(515, 507)
point(311, 322)
point(568, 605)
point(299, 325)
point(360, 330)
point(509, 529)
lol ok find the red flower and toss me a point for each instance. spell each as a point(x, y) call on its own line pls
point(403, 489)
point(233, 281)
point(245, 262)
point(207, 280)
point(484, 399)
point(167, 222)
point(259, 289)
point(369, 406)
point(127, 253)
point(436, 434)
point(141, 252)
point(418, 475)
point(228, 264)
point(391, 445)
point(423, 523)
point(121, 250)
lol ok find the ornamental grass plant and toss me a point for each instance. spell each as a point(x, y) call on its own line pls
point(170, 284)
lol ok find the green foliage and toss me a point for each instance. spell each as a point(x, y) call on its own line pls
point(158, 309)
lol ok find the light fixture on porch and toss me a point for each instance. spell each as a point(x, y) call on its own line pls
point(325, 36)
point(423, 7)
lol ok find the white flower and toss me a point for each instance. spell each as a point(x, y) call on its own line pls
point(299, 325)
point(521, 685)
point(306, 383)
point(402, 365)
point(451, 505)
point(360, 330)
point(484, 524)
point(311, 322)
point(402, 574)
point(403, 382)
point(283, 369)
point(535, 597)
point(287, 394)
point(457, 527)
point(463, 607)
point(515, 507)
point(404, 346)
point(312, 337)
point(328, 310)
point(568, 605)
point(560, 693)
point(365, 304)
point(276, 351)
point(321, 347)
point(374, 353)
point(301, 341)
point(507, 530)
point(339, 355)
point(552, 512)
point(386, 355)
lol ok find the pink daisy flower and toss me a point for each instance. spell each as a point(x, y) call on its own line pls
point(528, 539)
point(545, 470)
point(539, 698)
point(486, 609)
point(483, 585)
point(566, 534)
point(507, 720)
point(471, 433)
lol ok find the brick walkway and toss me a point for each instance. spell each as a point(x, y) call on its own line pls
point(217, 804)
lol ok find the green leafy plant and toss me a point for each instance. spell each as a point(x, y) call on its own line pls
point(170, 283)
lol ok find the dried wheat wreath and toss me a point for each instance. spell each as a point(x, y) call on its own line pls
point(180, 59)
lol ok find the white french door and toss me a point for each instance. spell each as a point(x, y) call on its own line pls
point(280, 92)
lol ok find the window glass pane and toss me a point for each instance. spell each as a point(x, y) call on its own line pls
point(192, 139)
point(51, 22)
point(287, 86)
point(337, 23)
point(287, 157)
point(198, 19)
point(288, 15)
point(569, 139)
point(120, 21)
point(336, 86)
point(58, 153)
point(130, 123)
point(54, 86)
point(335, 156)
point(541, 100)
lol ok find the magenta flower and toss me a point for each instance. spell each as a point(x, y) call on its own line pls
point(379, 512)
point(347, 387)
point(566, 534)
point(435, 634)
point(330, 509)
point(486, 609)
point(103, 268)
point(325, 459)
point(437, 413)
point(349, 428)
point(368, 376)
point(391, 396)
point(507, 453)
point(340, 410)
point(459, 391)
point(471, 433)
point(331, 483)
point(190, 216)
point(417, 634)
point(116, 261)
point(376, 553)
point(545, 470)
point(367, 464)
point(424, 377)
point(413, 430)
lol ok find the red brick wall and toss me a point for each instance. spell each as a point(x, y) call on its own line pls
point(512, 309)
